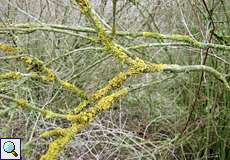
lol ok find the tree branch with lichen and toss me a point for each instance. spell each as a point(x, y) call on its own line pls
point(73, 31)
point(79, 122)
point(24, 104)
point(103, 98)
point(136, 66)
point(37, 69)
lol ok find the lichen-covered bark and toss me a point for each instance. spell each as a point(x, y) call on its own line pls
point(136, 66)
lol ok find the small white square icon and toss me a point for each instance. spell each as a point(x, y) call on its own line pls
point(10, 149)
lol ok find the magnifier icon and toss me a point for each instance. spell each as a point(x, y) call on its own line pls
point(9, 147)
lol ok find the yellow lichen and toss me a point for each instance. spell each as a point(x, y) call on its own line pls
point(22, 103)
point(34, 75)
point(106, 102)
point(81, 106)
point(84, 5)
point(73, 88)
point(34, 64)
point(8, 49)
point(118, 80)
point(11, 75)
point(115, 82)
point(56, 132)
point(103, 38)
point(55, 147)
point(138, 66)
point(58, 145)
point(153, 34)
point(48, 114)
point(67, 85)
point(37, 66)
point(83, 117)
point(28, 60)
point(50, 75)
point(119, 53)
point(156, 67)
point(82, 120)
point(101, 92)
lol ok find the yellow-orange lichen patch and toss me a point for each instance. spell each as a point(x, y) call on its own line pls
point(58, 145)
point(50, 75)
point(11, 75)
point(83, 117)
point(156, 67)
point(84, 5)
point(81, 106)
point(118, 80)
point(22, 103)
point(137, 67)
point(106, 102)
point(115, 82)
point(101, 92)
point(8, 49)
point(55, 132)
point(73, 88)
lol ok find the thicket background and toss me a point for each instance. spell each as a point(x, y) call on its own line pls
point(182, 117)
